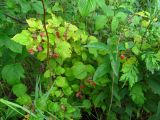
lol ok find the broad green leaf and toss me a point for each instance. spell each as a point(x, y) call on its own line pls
point(86, 6)
point(86, 103)
point(121, 16)
point(114, 24)
point(19, 89)
point(48, 74)
point(67, 91)
point(63, 49)
point(23, 38)
point(102, 70)
point(13, 46)
point(53, 107)
point(100, 22)
point(12, 73)
point(24, 100)
point(79, 70)
point(137, 94)
point(61, 82)
point(106, 9)
point(59, 70)
point(33, 23)
point(98, 46)
point(154, 85)
point(25, 6)
point(37, 6)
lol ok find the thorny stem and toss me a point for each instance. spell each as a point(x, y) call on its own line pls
point(45, 28)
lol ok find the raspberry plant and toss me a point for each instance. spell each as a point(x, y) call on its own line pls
point(105, 65)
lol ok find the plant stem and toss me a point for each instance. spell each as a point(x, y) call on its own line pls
point(45, 28)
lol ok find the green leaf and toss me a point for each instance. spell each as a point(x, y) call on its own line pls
point(86, 103)
point(19, 89)
point(61, 82)
point(53, 107)
point(24, 100)
point(114, 24)
point(67, 91)
point(98, 46)
point(121, 16)
point(86, 6)
point(25, 6)
point(12, 73)
point(130, 71)
point(100, 22)
point(79, 70)
point(37, 6)
point(63, 49)
point(154, 85)
point(13, 46)
point(2, 40)
point(137, 94)
point(102, 70)
point(23, 38)
point(115, 63)
point(106, 9)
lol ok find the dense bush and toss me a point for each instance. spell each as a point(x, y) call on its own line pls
point(92, 59)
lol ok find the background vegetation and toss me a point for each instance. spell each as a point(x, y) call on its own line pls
point(101, 61)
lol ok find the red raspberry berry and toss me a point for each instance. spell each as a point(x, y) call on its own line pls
point(55, 55)
point(122, 57)
point(42, 34)
point(39, 48)
point(93, 84)
point(31, 51)
point(82, 86)
point(58, 34)
point(78, 94)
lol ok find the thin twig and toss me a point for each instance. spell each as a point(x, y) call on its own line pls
point(15, 19)
point(45, 28)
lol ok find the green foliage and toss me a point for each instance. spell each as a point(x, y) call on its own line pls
point(137, 94)
point(19, 89)
point(13, 73)
point(100, 51)
point(130, 71)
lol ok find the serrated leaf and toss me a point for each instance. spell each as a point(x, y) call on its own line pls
point(63, 49)
point(137, 94)
point(24, 100)
point(86, 103)
point(121, 16)
point(53, 107)
point(23, 38)
point(61, 82)
point(19, 89)
point(79, 70)
point(130, 71)
point(12, 73)
point(13, 46)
